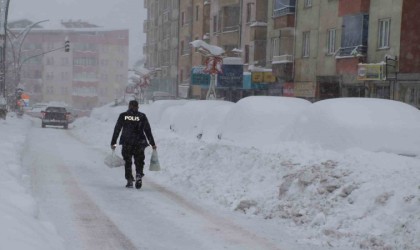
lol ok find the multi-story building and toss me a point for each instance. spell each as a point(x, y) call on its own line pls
point(316, 49)
point(384, 46)
point(331, 41)
point(281, 39)
point(225, 28)
point(407, 84)
point(162, 41)
point(253, 33)
point(280, 43)
point(92, 73)
point(194, 25)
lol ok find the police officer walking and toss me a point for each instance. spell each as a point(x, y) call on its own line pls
point(135, 137)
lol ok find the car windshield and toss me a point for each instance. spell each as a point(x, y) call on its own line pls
point(56, 109)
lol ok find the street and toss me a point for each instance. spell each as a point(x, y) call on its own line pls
point(91, 208)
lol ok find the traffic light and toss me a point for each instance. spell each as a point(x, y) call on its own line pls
point(67, 46)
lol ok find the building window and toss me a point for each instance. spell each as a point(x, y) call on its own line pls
point(305, 44)
point(215, 30)
point(307, 3)
point(229, 18)
point(283, 7)
point(383, 34)
point(331, 41)
point(182, 47)
point(248, 12)
point(182, 19)
point(196, 12)
point(246, 53)
point(275, 46)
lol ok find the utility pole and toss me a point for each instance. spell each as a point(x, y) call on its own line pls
point(4, 9)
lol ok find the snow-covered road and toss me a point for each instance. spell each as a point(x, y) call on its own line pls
point(91, 208)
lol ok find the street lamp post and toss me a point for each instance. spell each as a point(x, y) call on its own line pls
point(16, 43)
point(4, 9)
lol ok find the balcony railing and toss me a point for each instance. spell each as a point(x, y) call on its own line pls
point(355, 51)
point(282, 59)
point(231, 28)
point(284, 11)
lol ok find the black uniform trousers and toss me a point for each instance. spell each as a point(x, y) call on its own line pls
point(128, 153)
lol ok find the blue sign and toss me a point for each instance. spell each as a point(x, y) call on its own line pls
point(199, 77)
point(231, 76)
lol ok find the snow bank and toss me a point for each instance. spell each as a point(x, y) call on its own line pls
point(259, 120)
point(347, 199)
point(154, 112)
point(19, 228)
point(195, 118)
point(372, 124)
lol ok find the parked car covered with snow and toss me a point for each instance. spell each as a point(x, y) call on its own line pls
point(261, 119)
point(367, 123)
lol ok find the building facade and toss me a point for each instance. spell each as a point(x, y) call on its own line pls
point(225, 25)
point(281, 39)
point(91, 74)
point(316, 49)
point(407, 85)
point(162, 44)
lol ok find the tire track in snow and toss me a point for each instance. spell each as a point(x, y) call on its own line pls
point(225, 228)
point(93, 227)
point(96, 229)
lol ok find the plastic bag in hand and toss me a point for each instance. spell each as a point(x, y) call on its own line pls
point(113, 161)
point(154, 161)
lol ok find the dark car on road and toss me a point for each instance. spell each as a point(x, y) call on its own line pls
point(56, 116)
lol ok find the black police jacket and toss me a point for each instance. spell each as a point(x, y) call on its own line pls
point(135, 128)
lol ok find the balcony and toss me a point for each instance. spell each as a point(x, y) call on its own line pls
point(352, 51)
point(284, 11)
point(282, 59)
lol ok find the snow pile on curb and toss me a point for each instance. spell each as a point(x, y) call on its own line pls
point(372, 124)
point(350, 198)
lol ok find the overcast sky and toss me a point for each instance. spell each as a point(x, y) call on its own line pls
point(107, 13)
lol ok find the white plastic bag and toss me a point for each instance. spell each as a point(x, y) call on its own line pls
point(154, 161)
point(113, 161)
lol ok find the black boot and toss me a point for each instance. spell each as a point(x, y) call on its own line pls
point(129, 184)
point(138, 181)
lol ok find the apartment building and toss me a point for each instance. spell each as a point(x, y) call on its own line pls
point(193, 25)
point(384, 46)
point(407, 85)
point(162, 41)
point(225, 28)
point(92, 73)
point(330, 42)
point(253, 33)
point(281, 39)
point(316, 49)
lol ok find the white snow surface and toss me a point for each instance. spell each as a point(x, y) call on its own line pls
point(213, 49)
point(329, 171)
